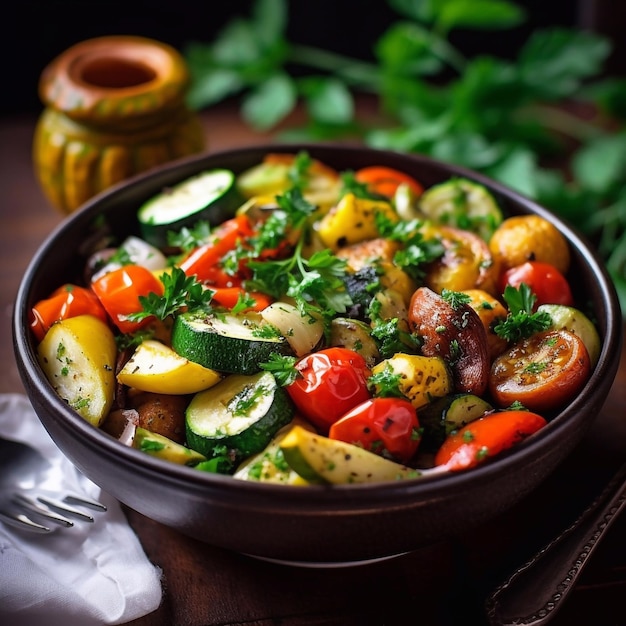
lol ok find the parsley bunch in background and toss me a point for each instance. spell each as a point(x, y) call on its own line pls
point(509, 119)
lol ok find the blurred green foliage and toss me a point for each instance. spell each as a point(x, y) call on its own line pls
point(509, 119)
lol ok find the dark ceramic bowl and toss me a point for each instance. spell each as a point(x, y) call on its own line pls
point(313, 524)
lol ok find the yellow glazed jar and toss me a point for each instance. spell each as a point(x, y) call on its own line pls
point(114, 107)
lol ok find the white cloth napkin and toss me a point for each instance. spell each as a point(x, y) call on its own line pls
point(90, 574)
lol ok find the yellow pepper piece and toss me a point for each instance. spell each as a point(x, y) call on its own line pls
point(352, 220)
point(422, 378)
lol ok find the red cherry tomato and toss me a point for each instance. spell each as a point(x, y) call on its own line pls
point(388, 427)
point(542, 372)
point(544, 280)
point(385, 180)
point(332, 382)
point(119, 293)
point(485, 437)
point(67, 301)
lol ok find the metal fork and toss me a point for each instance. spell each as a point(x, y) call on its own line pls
point(23, 505)
point(537, 590)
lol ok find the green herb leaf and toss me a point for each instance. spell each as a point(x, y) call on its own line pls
point(601, 164)
point(282, 367)
point(455, 299)
point(484, 14)
point(521, 322)
point(386, 383)
point(270, 102)
point(554, 62)
point(179, 292)
point(328, 100)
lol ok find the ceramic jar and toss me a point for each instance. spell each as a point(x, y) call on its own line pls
point(114, 107)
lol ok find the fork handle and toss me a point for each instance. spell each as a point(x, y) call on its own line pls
point(536, 591)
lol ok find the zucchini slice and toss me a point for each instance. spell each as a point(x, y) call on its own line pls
point(164, 448)
point(576, 321)
point(445, 415)
point(269, 465)
point(324, 461)
point(225, 342)
point(210, 196)
point(241, 413)
point(462, 203)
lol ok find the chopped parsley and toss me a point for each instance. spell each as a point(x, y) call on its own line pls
point(386, 383)
point(243, 402)
point(179, 292)
point(522, 321)
point(189, 238)
point(282, 367)
point(416, 251)
point(349, 184)
point(244, 301)
point(388, 334)
point(536, 367)
point(455, 299)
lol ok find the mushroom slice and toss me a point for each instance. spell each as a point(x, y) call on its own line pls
point(451, 329)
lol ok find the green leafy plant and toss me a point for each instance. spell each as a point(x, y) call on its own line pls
point(510, 119)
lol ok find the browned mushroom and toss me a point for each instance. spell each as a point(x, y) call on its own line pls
point(454, 333)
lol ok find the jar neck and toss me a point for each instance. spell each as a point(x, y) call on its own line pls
point(124, 131)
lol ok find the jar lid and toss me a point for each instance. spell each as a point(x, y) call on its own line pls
point(115, 77)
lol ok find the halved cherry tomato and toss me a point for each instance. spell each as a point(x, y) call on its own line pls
point(388, 427)
point(543, 372)
point(544, 280)
point(385, 180)
point(229, 296)
point(332, 382)
point(67, 301)
point(204, 261)
point(485, 437)
point(119, 292)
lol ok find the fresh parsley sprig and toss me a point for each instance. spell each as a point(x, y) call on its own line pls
point(179, 292)
point(388, 334)
point(189, 238)
point(503, 117)
point(416, 252)
point(282, 367)
point(313, 282)
point(455, 299)
point(386, 383)
point(522, 321)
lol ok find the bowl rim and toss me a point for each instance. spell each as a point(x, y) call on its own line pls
point(595, 389)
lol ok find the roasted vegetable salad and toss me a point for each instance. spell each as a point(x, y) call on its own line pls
point(300, 325)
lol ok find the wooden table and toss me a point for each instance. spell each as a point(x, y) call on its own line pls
point(439, 585)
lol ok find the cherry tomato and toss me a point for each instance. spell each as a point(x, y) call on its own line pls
point(332, 382)
point(204, 261)
point(386, 180)
point(544, 280)
point(542, 372)
point(388, 427)
point(67, 301)
point(485, 437)
point(119, 293)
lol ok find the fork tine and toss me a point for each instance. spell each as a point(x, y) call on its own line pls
point(62, 508)
point(23, 522)
point(92, 504)
point(32, 505)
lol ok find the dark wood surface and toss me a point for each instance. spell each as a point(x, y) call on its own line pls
point(439, 585)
